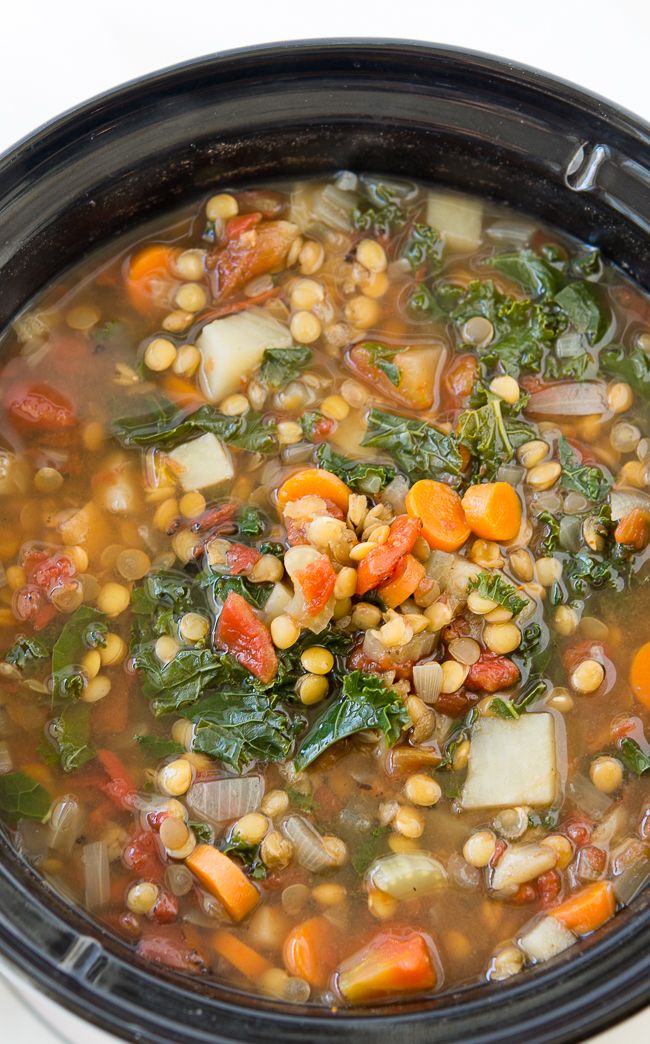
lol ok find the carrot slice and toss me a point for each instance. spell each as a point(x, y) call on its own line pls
point(314, 482)
point(640, 675)
point(390, 964)
point(633, 530)
point(493, 511)
point(242, 957)
point(403, 582)
point(311, 951)
point(149, 276)
point(588, 909)
point(444, 525)
point(224, 880)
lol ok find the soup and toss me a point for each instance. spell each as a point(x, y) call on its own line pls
point(324, 526)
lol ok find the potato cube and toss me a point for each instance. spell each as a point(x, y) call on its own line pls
point(201, 463)
point(512, 762)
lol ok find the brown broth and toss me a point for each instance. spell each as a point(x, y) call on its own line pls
point(86, 341)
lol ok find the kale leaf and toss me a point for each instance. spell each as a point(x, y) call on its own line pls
point(533, 273)
point(365, 703)
point(492, 432)
point(419, 450)
point(633, 367)
point(158, 747)
point(85, 629)
point(367, 849)
point(248, 854)
point(256, 594)
point(587, 313)
point(166, 427)
point(381, 214)
point(281, 365)
point(424, 246)
point(551, 540)
point(494, 587)
point(634, 759)
point(27, 653)
point(71, 735)
point(362, 476)
point(22, 797)
point(239, 727)
point(583, 478)
point(250, 521)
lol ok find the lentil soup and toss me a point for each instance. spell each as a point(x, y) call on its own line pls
point(323, 611)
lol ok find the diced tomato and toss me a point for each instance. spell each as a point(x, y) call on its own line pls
point(578, 831)
point(633, 530)
point(49, 572)
point(240, 558)
point(120, 788)
point(499, 849)
point(358, 660)
point(246, 638)
point(165, 909)
point(591, 863)
point(321, 429)
point(166, 945)
point(549, 886)
point(252, 252)
point(317, 582)
point(142, 855)
point(38, 408)
point(458, 382)
point(218, 518)
point(236, 226)
point(577, 651)
point(456, 704)
point(491, 673)
point(377, 566)
point(526, 893)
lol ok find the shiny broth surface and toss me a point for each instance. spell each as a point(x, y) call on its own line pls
point(325, 656)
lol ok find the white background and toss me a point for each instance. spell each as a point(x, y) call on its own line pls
point(56, 54)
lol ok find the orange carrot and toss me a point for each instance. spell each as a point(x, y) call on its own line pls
point(242, 957)
point(640, 675)
point(222, 878)
point(633, 530)
point(444, 525)
point(314, 482)
point(588, 909)
point(493, 511)
point(311, 951)
point(390, 964)
point(403, 582)
point(149, 277)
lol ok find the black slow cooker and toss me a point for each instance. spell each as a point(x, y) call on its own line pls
point(450, 116)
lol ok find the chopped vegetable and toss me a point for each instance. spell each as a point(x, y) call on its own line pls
point(439, 508)
point(360, 476)
point(493, 511)
point(497, 589)
point(586, 479)
point(149, 279)
point(22, 797)
point(546, 939)
point(403, 582)
point(202, 463)
point(242, 957)
point(314, 482)
point(379, 564)
point(419, 450)
point(311, 951)
point(512, 762)
point(586, 910)
point(406, 875)
point(221, 876)
point(246, 638)
point(640, 675)
point(391, 965)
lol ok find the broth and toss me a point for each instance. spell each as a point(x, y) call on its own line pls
point(324, 519)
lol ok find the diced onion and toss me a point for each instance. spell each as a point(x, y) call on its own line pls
point(570, 400)
point(588, 798)
point(395, 494)
point(628, 884)
point(221, 800)
point(427, 678)
point(622, 501)
point(308, 844)
point(405, 875)
point(178, 879)
point(97, 883)
point(66, 824)
point(420, 645)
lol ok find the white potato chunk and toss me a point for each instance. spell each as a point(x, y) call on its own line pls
point(277, 602)
point(202, 463)
point(512, 762)
point(546, 939)
point(458, 219)
point(521, 863)
point(233, 346)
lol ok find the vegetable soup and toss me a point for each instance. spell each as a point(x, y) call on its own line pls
point(324, 526)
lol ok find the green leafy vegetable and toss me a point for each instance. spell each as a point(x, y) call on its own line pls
point(492, 432)
point(532, 272)
point(250, 521)
point(361, 476)
point(71, 735)
point(158, 747)
point(22, 797)
point(27, 653)
point(203, 832)
point(551, 540)
point(634, 759)
point(365, 703)
point(460, 731)
point(382, 356)
point(382, 214)
point(494, 587)
point(85, 629)
point(312, 424)
point(633, 367)
point(241, 727)
point(424, 246)
point(175, 685)
point(368, 847)
point(544, 820)
point(419, 450)
point(571, 368)
point(256, 594)
point(281, 365)
point(583, 478)
point(585, 570)
point(506, 708)
point(585, 310)
point(248, 854)
point(167, 426)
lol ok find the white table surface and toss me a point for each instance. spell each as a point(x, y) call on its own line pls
point(54, 55)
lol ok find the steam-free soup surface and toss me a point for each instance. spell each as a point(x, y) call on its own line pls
point(324, 518)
